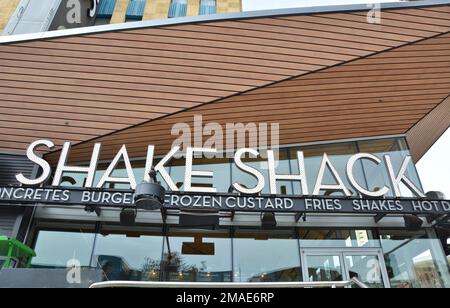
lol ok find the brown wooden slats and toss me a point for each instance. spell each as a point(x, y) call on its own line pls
point(57, 120)
point(289, 52)
point(385, 73)
point(408, 15)
point(347, 92)
point(412, 74)
point(107, 84)
point(112, 108)
point(288, 121)
point(304, 128)
point(362, 24)
point(410, 23)
point(94, 84)
point(94, 97)
point(343, 102)
point(55, 128)
point(131, 72)
point(279, 39)
point(327, 40)
point(227, 70)
point(109, 77)
point(369, 85)
point(346, 34)
point(426, 13)
point(60, 135)
point(428, 130)
point(305, 103)
point(69, 112)
point(265, 53)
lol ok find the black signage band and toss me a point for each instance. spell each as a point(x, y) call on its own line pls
point(224, 202)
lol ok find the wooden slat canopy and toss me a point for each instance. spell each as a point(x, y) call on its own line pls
point(322, 76)
point(384, 94)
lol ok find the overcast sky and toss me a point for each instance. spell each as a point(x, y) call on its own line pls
point(434, 167)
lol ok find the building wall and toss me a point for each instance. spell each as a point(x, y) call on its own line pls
point(229, 6)
point(119, 11)
point(11, 216)
point(156, 9)
point(7, 8)
point(193, 7)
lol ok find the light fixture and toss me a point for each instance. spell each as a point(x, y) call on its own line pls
point(435, 195)
point(150, 195)
point(268, 220)
point(128, 216)
point(412, 222)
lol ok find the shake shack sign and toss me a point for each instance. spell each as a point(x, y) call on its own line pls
point(245, 199)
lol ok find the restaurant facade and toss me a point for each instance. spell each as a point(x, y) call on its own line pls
point(270, 146)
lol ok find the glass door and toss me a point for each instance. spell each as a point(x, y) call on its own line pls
point(342, 265)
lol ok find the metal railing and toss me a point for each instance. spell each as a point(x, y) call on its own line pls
point(232, 285)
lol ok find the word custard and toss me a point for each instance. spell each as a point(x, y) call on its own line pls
point(395, 178)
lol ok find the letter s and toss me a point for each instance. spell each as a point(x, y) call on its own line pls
point(39, 161)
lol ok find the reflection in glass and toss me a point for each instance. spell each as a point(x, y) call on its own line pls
point(338, 155)
point(128, 258)
point(324, 268)
point(366, 269)
point(414, 261)
point(337, 238)
point(282, 166)
point(266, 258)
point(377, 175)
point(368, 174)
point(54, 249)
point(201, 266)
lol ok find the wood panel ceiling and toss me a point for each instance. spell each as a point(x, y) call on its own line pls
point(75, 88)
point(384, 94)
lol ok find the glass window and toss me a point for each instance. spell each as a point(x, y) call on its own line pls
point(324, 267)
point(366, 268)
point(105, 12)
point(337, 238)
point(55, 248)
point(178, 8)
point(197, 257)
point(207, 7)
point(259, 163)
point(220, 167)
point(414, 261)
point(338, 155)
point(135, 10)
point(123, 257)
point(377, 175)
point(266, 257)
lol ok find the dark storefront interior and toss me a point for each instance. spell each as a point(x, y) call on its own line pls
point(411, 259)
